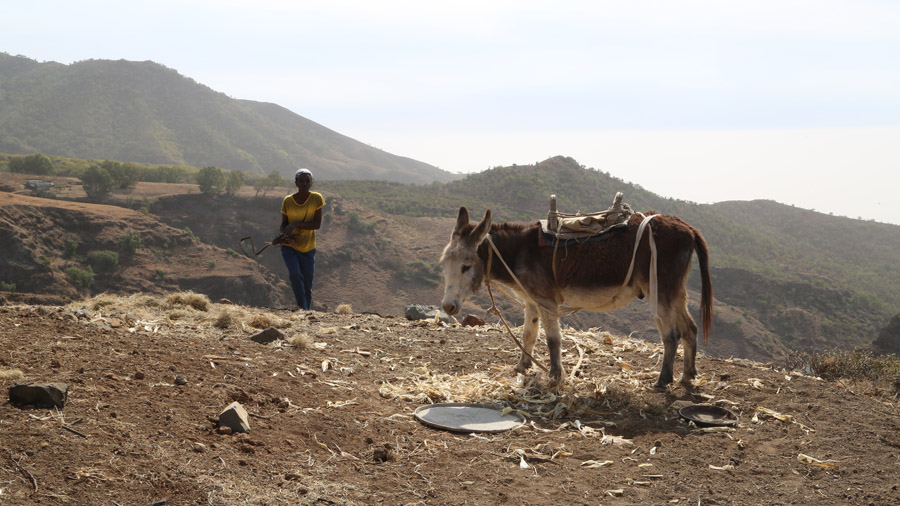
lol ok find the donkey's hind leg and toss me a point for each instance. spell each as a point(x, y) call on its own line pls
point(531, 332)
point(689, 342)
point(669, 334)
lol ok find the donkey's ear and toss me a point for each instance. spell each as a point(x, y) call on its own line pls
point(462, 219)
point(482, 229)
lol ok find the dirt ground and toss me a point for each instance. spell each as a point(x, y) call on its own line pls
point(332, 416)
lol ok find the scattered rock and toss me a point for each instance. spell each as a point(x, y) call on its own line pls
point(179, 380)
point(138, 375)
point(472, 321)
point(235, 417)
point(421, 312)
point(267, 336)
point(41, 395)
point(225, 301)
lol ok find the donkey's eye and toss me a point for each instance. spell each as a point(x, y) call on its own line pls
point(466, 268)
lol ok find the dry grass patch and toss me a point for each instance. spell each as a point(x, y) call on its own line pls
point(301, 341)
point(344, 309)
point(266, 320)
point(197, 301)
point(11, 374)
point(229, 317)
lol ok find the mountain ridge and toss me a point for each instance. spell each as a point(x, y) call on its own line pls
point(145, 112)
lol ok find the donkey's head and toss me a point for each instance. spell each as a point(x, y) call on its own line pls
point(463, 270)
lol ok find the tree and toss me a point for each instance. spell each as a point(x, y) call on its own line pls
point(31, 164)
point(269, 182)
point(234, 182)
point(211, 180)
point(124, 175)
point(97, 182)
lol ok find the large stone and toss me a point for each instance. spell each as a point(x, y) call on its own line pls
point(235, 417)
point(40, 395)
point(267, 336)
point(422, 312)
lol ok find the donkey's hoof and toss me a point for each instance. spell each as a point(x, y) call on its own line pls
point(522, 367)
point(661, 385)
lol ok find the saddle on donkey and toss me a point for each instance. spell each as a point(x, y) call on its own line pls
point(562, 227)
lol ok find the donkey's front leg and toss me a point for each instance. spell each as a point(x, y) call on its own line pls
point(531, 332)
point(554, 346)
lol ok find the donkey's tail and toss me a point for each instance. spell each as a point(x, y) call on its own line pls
point(706, 291)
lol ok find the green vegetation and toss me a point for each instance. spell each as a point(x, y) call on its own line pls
point(211, 180)
point(356, 225)
point(104, 261)
point(97, 182)
point(420, 272)
point(7, 287)
point(271, 181)
point(71, 248)
point(31, 164)
point(129, 242)
point(233, 182)
point(81, 278)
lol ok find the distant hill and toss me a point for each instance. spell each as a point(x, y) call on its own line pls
point(807, 278)
point(146, 113)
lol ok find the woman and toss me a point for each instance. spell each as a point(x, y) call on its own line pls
point(301, 216)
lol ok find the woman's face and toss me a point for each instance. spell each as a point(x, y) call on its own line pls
point(303, 182)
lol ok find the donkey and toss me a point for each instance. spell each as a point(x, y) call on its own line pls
point(596, 275)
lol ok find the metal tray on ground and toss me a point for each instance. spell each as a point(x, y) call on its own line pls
point(466, 418)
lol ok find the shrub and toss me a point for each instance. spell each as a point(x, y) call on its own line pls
point(211, 180)
point(7, 287)
point(104, 261)
point(129, 242)
point(356, 225)
point(97, 182)
point(82, 278)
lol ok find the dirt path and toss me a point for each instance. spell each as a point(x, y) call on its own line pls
point(332, 417)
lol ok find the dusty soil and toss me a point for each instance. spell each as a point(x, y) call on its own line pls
point(332, 417)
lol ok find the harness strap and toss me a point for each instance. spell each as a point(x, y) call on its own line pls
point(496, 310)
point(654, 295)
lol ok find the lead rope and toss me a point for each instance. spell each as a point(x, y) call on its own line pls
point(494, 309)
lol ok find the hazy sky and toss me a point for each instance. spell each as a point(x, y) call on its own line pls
point(795, 101)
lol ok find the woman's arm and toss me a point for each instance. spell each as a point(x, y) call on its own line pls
point(315, 224)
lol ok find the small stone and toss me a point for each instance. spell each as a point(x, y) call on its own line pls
point(138, 375)
point(267, 336)
point(179, 380)
point(472, 321)
point(235, 417)
point(224, 430)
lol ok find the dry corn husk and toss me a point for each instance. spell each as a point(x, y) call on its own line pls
point(594, 464)
point(806, 459)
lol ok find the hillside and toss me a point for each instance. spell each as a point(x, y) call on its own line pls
point(378, 260)
point(146, 113)
point(331, 416)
